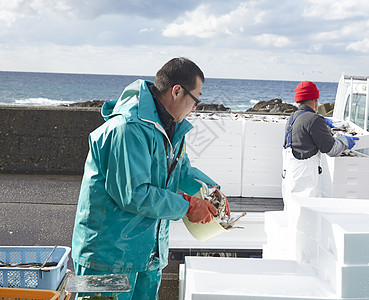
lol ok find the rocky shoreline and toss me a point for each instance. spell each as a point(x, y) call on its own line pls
point(274, 106)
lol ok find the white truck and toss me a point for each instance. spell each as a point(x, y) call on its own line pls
point(352, 100)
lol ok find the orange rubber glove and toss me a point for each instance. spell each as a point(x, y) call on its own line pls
point(227, 210)
point(199, 210)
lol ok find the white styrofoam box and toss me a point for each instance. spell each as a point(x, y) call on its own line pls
point(262, 178)
point(208, 132)
point(267, 153)
point(264, 134)
point(265, 190)
point(363, 142)
point(345, 176)
point(261, 175)
point(221, 165)
point(252, 236)
point(230, 189)
point(225, 172)
point(351, 178)
point(262, 158)
point(346, 164)
point(272, 252)
point(348, 281)
point(346, 236)
point(255, 158)
point(242, 278)
point(254, 265)
point(281, 238)
point(275, 220)
point(226, 151)
point(309, 222)
point(321, 205)
point(215, 147)
point(261, 165)
point(281, 241)
point(181, 280)
point(351, 190)
point(307, 249)
point(224, 176)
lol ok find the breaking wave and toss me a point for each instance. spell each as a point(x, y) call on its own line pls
point(40, 102)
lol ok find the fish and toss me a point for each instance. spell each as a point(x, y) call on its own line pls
point(218, 199)
point(27, 265)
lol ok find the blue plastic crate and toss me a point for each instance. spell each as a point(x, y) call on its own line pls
point(33, 278)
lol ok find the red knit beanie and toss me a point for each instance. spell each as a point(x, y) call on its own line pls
point(306, 90)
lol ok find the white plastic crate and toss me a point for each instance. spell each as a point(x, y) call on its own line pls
point(47, 278)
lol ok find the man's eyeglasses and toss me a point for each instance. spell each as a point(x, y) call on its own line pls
point(197, 101)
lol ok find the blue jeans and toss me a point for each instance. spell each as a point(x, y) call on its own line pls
point(143, 285)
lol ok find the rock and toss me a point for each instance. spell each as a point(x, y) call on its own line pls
point(273, 106)
point(326, 109)
point(91, 103)
point(200, 107)
point(212, 107)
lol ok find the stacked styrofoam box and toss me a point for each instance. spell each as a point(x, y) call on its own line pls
point(243, 154)
point(214, 146)
point(262, 158)
point(280, 238)
point(331, 243)
point(210, 278)
point(345, 177)
point(344, 253)
point(332, 236)
point(305, 217)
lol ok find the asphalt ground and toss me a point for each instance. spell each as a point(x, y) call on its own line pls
point(39, 210)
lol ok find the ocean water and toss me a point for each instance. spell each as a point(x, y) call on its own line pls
point(51, 89)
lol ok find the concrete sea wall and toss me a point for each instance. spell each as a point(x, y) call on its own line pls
point(51, 140)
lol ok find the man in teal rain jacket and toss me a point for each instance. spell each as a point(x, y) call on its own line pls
point(136, 165)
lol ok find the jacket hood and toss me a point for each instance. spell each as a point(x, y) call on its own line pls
point(130, 96)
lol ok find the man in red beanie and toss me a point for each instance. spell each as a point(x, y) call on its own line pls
point(306, 137)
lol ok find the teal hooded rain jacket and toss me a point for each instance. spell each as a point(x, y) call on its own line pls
point(126, 200)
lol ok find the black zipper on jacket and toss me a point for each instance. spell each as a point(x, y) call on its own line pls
point(172, 166)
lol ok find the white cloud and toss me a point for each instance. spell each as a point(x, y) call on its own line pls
point(201, 23)
point(12, 10)
point(351, 36)
point(146, 30)
point(360, 46)
point(273, 40)
point(336, 10)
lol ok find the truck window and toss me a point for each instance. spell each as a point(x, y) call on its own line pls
point(357, 109)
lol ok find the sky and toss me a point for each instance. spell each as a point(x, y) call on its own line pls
point(315, 40)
